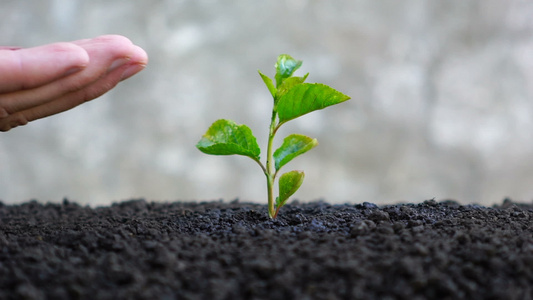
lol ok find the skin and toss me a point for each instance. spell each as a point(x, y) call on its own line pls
point(42, 81)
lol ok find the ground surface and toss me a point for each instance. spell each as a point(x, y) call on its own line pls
point(142, 250)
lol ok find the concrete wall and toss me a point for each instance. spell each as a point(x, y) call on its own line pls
point(442, 100)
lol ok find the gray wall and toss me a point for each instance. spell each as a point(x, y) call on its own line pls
point(442, 100)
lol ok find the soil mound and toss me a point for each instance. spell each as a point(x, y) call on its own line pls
point(216, 250)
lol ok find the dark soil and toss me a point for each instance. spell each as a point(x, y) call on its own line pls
point(216, 250)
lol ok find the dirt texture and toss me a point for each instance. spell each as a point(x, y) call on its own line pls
point(219, 250)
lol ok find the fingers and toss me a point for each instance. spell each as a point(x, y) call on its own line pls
point(29, 68)
point(136, 63)
point(105, 54)
point(112, 59)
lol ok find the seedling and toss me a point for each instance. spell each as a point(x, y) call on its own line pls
point(292, 98)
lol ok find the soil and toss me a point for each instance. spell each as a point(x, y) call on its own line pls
point(219, 250)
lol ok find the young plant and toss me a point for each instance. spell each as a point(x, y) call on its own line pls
point(292, 98)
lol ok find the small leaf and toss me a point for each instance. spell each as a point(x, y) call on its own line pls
point(285, 67)
point(268, 82)
point(289, 183)
point(288, 84)
point(293, 145)
point(305, 98)
point(225, 137)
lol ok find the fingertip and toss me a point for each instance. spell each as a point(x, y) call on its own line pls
point(132, 70)
point(137, 62)
point(139, 57)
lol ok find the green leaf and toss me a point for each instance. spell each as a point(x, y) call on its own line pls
point(288, 84)
point(268, 82)
point(289, 183)
point(293, 145)
point(225, 137)
point(285, 67)
point(305, 98)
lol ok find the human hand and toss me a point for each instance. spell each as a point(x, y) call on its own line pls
point(46, 80)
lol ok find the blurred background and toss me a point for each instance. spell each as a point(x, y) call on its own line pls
point(442, 101)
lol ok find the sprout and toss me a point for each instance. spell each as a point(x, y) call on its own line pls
point(292, 98)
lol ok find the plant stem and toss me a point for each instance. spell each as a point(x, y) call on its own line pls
point(276, 213)
point(269, 173)
point(260, 165)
